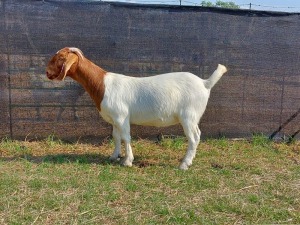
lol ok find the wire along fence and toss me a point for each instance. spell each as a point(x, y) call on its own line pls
point(251, 6)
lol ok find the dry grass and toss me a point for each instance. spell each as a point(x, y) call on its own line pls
point(230, 182)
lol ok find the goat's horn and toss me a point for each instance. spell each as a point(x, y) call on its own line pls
point(77, 51)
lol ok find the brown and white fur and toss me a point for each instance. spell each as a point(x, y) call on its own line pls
point(160, 100)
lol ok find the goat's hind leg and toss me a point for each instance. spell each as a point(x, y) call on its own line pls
point(117, 140)
point(192, 133)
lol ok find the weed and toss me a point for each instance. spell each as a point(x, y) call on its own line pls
point(177, 143)
point(260, 140)
point(15, 148)
point(52, 141)
point(220, 143)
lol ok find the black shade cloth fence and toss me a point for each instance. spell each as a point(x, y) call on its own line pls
point(260, 93)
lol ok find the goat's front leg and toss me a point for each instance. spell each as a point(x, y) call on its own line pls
point(128, 154)
point(125, 136)
point(117, 140)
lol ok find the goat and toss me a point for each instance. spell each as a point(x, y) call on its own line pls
point(160, 100)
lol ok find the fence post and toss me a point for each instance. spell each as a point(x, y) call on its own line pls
point(9, 96)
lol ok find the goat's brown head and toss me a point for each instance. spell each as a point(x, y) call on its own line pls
point(63, 63)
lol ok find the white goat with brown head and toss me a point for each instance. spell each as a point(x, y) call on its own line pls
point(160, 100)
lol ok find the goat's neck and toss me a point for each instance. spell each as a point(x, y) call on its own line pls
point(91, 76)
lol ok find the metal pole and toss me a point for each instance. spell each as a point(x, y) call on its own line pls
point(250, 5)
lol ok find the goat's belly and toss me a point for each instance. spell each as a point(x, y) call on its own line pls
point(156, 122)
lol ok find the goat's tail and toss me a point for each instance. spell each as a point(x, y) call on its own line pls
point(210, 82)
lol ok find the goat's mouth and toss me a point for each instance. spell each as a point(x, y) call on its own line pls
point(52, 76)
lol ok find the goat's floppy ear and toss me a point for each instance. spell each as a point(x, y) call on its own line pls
point(70, 60)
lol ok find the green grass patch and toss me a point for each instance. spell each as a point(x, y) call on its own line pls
point(230, 182)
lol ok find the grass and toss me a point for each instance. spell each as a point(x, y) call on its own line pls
point(231, 182)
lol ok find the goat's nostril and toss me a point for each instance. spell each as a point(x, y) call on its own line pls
point(49, 75)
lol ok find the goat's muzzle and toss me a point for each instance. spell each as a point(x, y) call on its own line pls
point(49, 75)
point(56, 76)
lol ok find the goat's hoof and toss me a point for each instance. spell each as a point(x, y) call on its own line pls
point(127, 163)
point(114, 159)
point(183, 166)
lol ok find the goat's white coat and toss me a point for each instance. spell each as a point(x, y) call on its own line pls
point(161, 100)
point(153, 101)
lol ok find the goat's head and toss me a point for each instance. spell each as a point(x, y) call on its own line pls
point(63, 63)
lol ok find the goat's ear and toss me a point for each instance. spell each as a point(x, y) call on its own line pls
point(70, 60)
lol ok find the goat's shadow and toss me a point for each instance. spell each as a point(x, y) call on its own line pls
point(61, 158)
point(88, 158)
